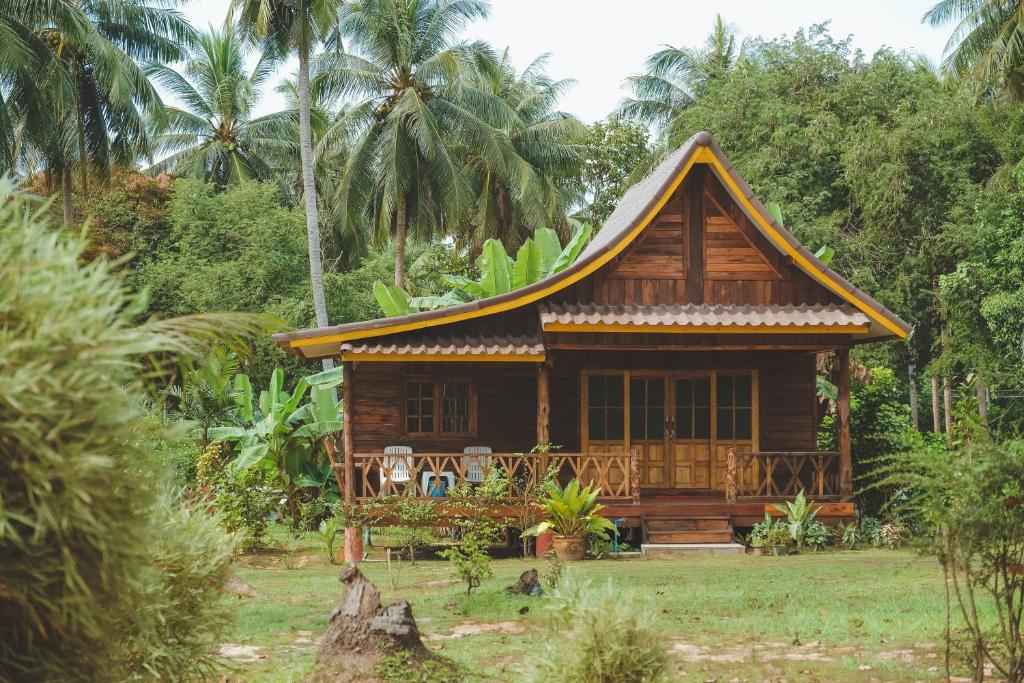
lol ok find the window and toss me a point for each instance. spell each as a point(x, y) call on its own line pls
point(439, 406)
point(646, 408)
point(606, 407)
point(735, 407)
point(693, 408)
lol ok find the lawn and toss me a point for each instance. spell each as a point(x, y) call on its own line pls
point(831, 616)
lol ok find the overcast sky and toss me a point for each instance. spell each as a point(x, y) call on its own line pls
point(600, 42)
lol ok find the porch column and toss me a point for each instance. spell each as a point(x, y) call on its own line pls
point(543, 413)
point(353, 541)
point(843, 413)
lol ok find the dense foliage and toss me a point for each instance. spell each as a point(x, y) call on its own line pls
point(106, 575)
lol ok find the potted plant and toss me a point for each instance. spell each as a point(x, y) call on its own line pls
point(571, 514)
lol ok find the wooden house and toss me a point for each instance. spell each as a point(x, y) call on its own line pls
point(673, 364)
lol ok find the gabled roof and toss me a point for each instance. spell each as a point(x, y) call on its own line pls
point(637, 208)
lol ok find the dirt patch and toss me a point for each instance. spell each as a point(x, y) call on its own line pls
point(241, 653)
point(476, 628)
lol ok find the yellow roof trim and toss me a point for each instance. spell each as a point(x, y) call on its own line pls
point(703, 154)
point(444, 357)
point(707, 329)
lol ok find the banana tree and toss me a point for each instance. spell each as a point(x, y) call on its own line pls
point(539, 257)
point(825, 253)
point(283, 436)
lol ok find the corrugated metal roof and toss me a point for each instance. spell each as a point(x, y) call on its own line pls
point(450, 346)
point(702, 314)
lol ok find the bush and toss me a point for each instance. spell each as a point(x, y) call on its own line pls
point(97, 583)
point(816, 535)
point(599, 634)
point(470, 561)
point(244, 504)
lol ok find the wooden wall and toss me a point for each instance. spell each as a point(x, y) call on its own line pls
point(506, 406)
point(507, 399)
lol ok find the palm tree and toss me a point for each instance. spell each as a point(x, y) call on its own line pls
point(299, 26)
point(987, 43)
point(676, 76)
point(417, 108)
point(214, 136)
point(534, 191)
point(83, 108)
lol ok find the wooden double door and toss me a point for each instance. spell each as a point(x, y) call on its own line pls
point(680, 423)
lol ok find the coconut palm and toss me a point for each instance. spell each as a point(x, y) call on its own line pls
point(417, 109)
point(987, 43)
point(297, 26)
point(513, 200)
point(82, 108)
point(675, 76)
point(214, 135)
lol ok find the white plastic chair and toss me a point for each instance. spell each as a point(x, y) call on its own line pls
point(474, 460)
point(398, 461)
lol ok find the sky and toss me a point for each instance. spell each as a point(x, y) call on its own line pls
point(601, 42)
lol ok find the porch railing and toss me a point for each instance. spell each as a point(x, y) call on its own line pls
point(784, 474)
point(615, 474)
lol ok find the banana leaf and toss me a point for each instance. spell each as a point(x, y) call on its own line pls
point(494, 271)
point(775, 210)
point(825, 254)
point(526, 269)
point(550, 248)
point(572, 249)
point(393, 300)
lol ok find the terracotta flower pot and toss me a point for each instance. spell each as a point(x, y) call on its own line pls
point(543, 543)
point(569, 548)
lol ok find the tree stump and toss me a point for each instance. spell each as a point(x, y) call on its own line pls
point(361, 624)
point(528, 584)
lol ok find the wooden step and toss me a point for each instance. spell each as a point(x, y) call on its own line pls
point(713, 536)
point(671, 550)
point(689, 524)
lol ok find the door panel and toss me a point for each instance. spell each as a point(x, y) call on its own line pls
point(648, 403)
point(693, 404)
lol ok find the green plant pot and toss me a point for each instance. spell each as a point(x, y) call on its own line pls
point(569, 548)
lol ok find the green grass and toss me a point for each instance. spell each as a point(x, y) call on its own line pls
point(817, 616)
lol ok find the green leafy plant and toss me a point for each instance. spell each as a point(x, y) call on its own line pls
point(759, 532)
point(816, 535)
point(871, 531)
point(244, 502)
point(284, 436)
point(405, 667)
point(539, 257)
point(328, 531)
point(600, 633)
point(849, 535)
point(572, 511)
point(799, 515)
point(554, 567)
point(470, 561)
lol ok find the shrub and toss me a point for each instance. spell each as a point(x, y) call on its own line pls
point(816, 535)
point(97, 584)
point(892, 535)
point(871, 531)
point(553, 569)
point(245, 503)
point(470, 561)
point(848, 535)
point(599, 634)
point(800, 515)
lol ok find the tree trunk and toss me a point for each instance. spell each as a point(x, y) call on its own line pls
point(982, 394)
point(401, 227)
point(843, 415)
point(316, 268)
point(912, 380)
point(936, 413)
point(83, 167)
point(65, 191)
point(947, 405)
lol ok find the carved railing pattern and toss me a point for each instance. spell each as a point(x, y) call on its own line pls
point(784, 474)
point(615, 474)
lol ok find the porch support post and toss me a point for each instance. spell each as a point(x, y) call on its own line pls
point(353, 541)
point(843, 413)
point(543, 414)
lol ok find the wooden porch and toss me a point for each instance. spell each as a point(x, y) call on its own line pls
point(754, 481)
